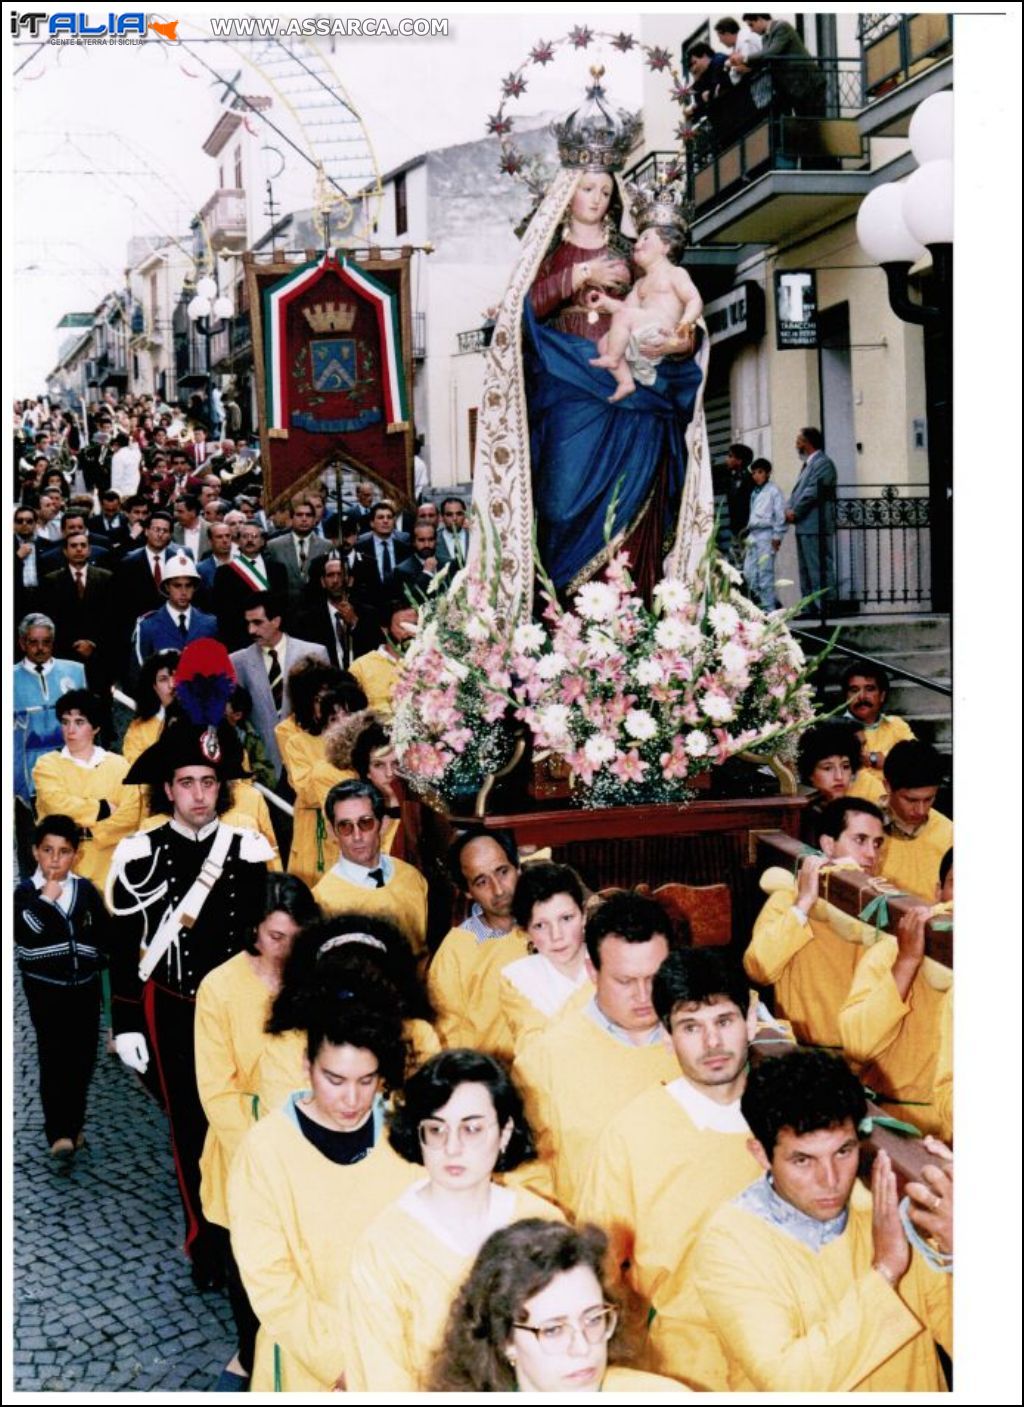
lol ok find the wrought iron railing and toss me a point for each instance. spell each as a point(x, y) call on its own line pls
point(795, 114)
point(883, 546)
point(477, 339)
point(896, 48)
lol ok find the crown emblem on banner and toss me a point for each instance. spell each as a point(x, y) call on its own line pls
point(595, 137)
point(330, 317)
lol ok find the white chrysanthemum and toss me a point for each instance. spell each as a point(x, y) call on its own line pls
point(554, 722)
point(639, 724)
point(597, 601)
point(692, 638)
point(551, 666)
point(599, 749)
point(672, 594)
point(477, 628)
point(528, 638)
point(670, 633)
point(648, 672)
point(696, 744)
point(735, 659)
point(600, 645)
point(717, 707)
point(753, 631)
point(723, 617)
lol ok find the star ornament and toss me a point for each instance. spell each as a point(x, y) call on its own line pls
point(511, 163)
point(543, 52)
point(624, 42)
point(513, 86)
point(680, 92)
point(658, 60)
point(580, 36)
point(499, 125)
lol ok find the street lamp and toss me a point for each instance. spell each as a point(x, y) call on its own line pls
point(208, 311)
point(896, 225)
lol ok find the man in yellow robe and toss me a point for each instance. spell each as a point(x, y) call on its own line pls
point(917, 835)
point(364, 880)
point(589, 1063)
point(794, 945)
point(867, 690)
point(485, 866)
point(674, 1154)
point(808, 1280)
point(377, 671)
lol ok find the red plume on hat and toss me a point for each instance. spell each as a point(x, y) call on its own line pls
point(200, 737)
point(203, 682)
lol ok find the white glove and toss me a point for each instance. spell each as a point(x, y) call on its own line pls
point(131, 1047)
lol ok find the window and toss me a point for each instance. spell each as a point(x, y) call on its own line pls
point(401, 210)
point(238, 168)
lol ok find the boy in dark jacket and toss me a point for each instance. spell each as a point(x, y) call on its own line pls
point(60, 926)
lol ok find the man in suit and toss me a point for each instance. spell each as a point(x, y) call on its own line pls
point(190, 528)
point(51, 556)
point(297, 549)
point(812, 508)
point(329, 617)
point(220, 554)
point(137, 580)
point(178, 622)
point(453, 539)
point(377, 554)
point(417, 572)
point(249, 572)
point(798, 85)
point(27, 574)
point(78, 599)
point(264, 666)
point(111, 523)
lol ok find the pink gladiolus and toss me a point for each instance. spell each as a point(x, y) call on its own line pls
point(571, 688)
point(494, 709)
point(724, 748)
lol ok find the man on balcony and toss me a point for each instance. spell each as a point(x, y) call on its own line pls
point(798, 86)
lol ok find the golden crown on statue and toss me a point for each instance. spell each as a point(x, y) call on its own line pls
point(330, 317)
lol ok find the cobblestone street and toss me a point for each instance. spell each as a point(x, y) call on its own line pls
point(103, 1295)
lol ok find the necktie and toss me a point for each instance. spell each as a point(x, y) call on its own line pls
point(341, 632)
point(158, 575)
point(378, 878)
point(80, 583)
point(40, 670)
point(276, 679)
point(303, 549)
point(183, 627)
point(386, 572)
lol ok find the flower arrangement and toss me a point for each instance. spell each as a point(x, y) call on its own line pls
point(642, 700)
point(638, 700)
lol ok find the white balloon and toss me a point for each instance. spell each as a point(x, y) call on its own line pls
point(928, 203)
point(881, 228)
point(199, 307)
point(931, 129)
point(207, 287)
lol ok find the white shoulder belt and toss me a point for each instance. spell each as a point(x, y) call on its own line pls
point(186, 913)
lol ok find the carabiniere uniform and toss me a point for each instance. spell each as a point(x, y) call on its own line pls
point(151, 874)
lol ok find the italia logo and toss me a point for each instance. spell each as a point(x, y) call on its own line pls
point(71, 24)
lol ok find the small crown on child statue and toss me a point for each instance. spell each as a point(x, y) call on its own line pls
point(330, 317)
point(594, 137)
point(665, 206)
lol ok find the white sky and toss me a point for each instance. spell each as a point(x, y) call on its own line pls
point(64, 240)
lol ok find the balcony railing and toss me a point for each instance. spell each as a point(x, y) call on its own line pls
point(224, 217)
point(896, 48)
point(477, 339)
point(799, 115)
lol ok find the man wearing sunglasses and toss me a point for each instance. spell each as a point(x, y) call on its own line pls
point(365, 881)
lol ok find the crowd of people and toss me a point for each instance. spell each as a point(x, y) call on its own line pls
point(493, 1132)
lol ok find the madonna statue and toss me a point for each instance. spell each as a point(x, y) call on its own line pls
point(550, 447)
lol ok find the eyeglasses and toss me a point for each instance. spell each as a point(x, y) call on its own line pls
point(361, 823)
point(434, 1132)
point(557, 1335)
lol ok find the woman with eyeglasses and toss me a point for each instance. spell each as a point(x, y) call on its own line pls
point(533, 1316)
point(305, 1180)
point(461, 1117)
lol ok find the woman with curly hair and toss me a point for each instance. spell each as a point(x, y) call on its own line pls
point(462, 1118)
point(361, 744)
point(534, 1316)
point(319, 693)
point(153, 697)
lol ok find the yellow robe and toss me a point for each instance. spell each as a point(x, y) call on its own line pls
point(633, 1380)
point(63, 788)
point(451, 974)
point(575, 1077)
point(520, 1018)
point(250, 810)
point(896, 1042)
point(883, 737)
point(792, 1320)
point(485, 1017)
point(402, 1279)
point(943, 1096)
point(232, 1006)
point(913, 862)
point(140, 734)
point(868, 785)
point(654, 1179)
point(403, 900)
point(377, 674)
point(281, 1070)
point(810, 966)
point(311, 777)
point(294, 1217)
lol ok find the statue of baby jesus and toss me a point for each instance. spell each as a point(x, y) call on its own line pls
point(663, 304)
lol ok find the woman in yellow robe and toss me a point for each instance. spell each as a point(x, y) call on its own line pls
point(153, 697)
point(360, 745)
point(318, 695)
point(232, 1006)
point(84, 781)
point(304, 1181)
point(534, 1316)
point(461, 1117)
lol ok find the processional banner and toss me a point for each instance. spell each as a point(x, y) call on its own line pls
point(332, 342)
